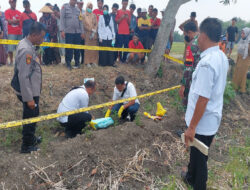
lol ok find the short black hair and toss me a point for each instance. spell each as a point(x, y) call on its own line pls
point(115, 5)
point(139, 10)
point(234, 19)
point(56, 8)
point(101, 1)
point(26, 2)
point(124, 0)
point(119, 80)
point(151, 6)
point(193, 14)
point(212, 28)
point(48, 4)
point(155, 10)
point(90, 84)
point(37, 28)
point(132, 6)
point(190, 26)
point(106, 6)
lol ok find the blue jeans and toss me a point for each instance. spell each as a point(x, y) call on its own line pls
point(123, 41)
point(131, 110)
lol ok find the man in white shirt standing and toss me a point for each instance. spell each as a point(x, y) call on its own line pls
point(205, 102)
point(124, 90)
point(77, 98)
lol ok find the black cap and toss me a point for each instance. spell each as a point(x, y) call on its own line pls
point(193, 14)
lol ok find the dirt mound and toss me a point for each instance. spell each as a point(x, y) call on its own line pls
point(121, 157)
point(125, 156)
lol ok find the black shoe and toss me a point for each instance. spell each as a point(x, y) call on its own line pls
point(70, 134)
point(28, 149)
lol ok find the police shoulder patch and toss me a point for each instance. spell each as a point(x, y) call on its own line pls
point(28, 59)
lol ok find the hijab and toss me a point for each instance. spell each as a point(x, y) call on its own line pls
point(244, 43)
point(87, 7)
point(106, 17)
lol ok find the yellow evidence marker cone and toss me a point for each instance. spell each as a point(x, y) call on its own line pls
point(160, 110)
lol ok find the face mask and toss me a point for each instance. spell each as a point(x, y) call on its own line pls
point(105, 12)
point(89, 10)
point(187, 39)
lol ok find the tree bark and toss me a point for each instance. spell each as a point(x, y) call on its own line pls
point(156, 56)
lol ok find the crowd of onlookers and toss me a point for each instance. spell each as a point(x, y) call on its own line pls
point(105, 26)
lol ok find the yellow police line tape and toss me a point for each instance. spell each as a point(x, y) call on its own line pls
point(56, 115)
point(95, 48)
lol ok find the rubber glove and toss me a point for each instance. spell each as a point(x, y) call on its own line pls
point(113, 43)
point(120, 111)
point(92, 124)
point(107, 113)
point(91, 37)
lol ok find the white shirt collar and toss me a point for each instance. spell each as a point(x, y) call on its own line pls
point(209, 50)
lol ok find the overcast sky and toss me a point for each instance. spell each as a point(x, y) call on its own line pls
point(204, 8)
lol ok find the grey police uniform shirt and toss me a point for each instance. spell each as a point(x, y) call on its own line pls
point(29, 70)
point(71, 20)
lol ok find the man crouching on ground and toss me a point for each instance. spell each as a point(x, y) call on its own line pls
point(77, 98)
point(124, 90)
point(205, 101)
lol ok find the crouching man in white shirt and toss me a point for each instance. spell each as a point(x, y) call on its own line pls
point(205, 102)
point(77, 98)
point(124, 90)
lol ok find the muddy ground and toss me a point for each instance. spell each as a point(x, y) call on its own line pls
point(128, 156)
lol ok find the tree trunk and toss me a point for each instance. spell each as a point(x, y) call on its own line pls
point(156, 56)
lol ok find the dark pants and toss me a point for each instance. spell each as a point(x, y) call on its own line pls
point(106, 58)
point(197, 167)
point(116, 45)
point(76, 123)
point(82, 52)
point(51, 55)
point(123, 41)
point(29, 130)
point(72, 39)
point(131, 110)
point(145, 41)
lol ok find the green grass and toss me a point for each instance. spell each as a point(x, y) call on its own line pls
point(238, 165)
point(229, 93)
point(176, 101)
point(178, 48)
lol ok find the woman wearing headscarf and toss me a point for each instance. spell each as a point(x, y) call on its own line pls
point(243, 61)
point(50, 55)
point(90, 27)
point(106, 33)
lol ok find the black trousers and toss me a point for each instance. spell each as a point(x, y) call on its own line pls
point(197, 168)
point(72, 39)
point(76, 123)
point(29, 130)
point(106, 58)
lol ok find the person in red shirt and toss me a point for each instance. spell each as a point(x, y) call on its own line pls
point(123, 19)
point(14, 29)
point(98, 12)
point(155, 25)
point(135, 44)
point(27, 18)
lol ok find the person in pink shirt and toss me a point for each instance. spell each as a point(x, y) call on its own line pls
point(123, 19)
point(98, 12)
point(14, 28)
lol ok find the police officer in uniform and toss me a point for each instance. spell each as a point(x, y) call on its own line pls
point(29, 76)
point(71, 28)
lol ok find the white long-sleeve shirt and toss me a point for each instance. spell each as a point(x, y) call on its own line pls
point(106, 32)
point(75, 99)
